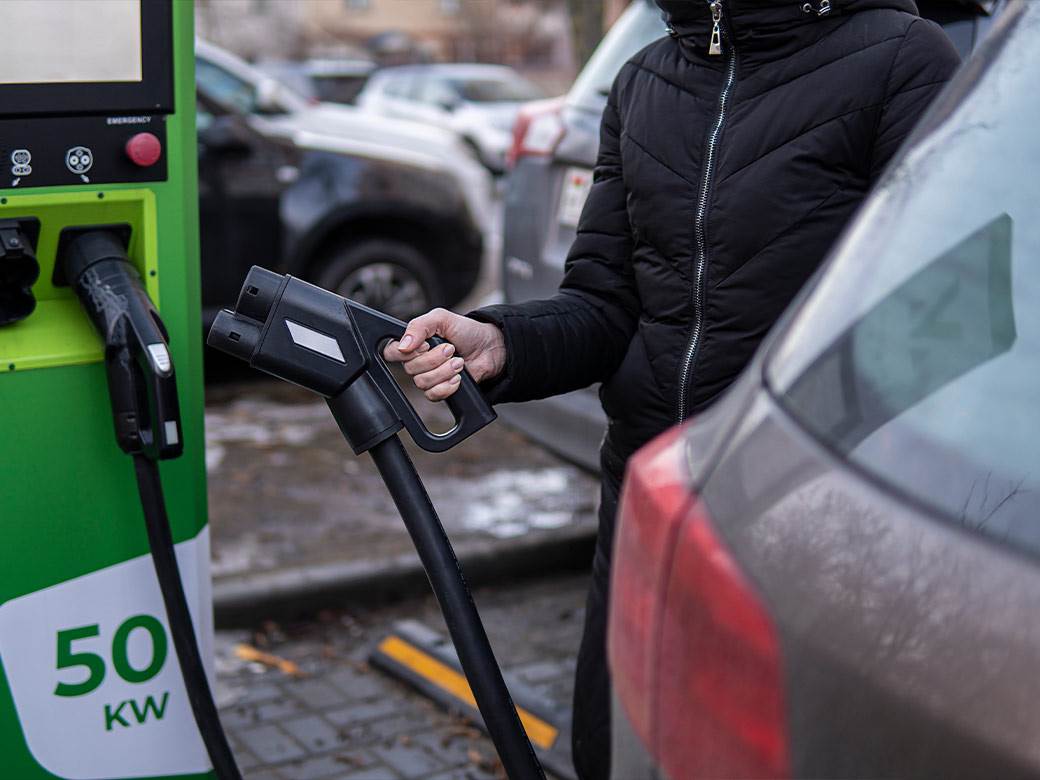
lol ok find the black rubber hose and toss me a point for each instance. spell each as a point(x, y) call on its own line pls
point(460, 613)
point(166, 570)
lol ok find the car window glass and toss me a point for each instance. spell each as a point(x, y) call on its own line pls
point(394, 86)
point(413, 88)
point(496, 90)
point(224, 87)
point(917, 355)
point(639, 26)
point(338, 89)
point(437, 92)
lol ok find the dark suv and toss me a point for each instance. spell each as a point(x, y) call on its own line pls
point(554, 151)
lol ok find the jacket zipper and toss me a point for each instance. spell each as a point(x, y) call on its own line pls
point(700, 228)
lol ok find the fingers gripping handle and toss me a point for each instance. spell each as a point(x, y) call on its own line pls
point(467, 404)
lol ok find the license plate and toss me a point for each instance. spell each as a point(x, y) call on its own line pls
point(576, 185)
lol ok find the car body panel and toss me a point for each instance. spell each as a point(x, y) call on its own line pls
point(875, 479)
point(908, 646)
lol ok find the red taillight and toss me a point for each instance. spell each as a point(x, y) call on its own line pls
point(537, 131)
point(653, 499)
point(694, 655)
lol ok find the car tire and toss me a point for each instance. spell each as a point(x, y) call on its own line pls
point(390, 276)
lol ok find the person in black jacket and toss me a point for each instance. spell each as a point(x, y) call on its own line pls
point(732, 154)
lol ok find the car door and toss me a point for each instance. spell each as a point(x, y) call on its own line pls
point(242, 175)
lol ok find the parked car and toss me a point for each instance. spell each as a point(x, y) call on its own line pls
point(324, 80)
point(479, 102)
point(834, 572)
point(386, 212)
point(553, 153)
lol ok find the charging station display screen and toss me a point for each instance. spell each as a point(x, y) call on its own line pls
point(55, 42)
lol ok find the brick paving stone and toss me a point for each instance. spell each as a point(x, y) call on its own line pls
point(375, 773)
point(382, 708)
point(278, 709)
point(540, 671)
point(245, 759)
point(257, 692)
point(355, 685)
point(468, 773)
point(271, 745)
point(450, 748)
point(314, 732)
point(405, 723)
point(325, 766)
point(316, 693)
point(412, 761)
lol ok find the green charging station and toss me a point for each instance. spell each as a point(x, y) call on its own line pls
point(96, 130)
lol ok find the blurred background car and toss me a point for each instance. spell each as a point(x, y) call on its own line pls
point(332, 80)
point(552, 157)
point(478, 102)
point(389, 213)
point(833, 572)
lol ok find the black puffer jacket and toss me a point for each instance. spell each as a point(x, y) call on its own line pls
point(721, 183)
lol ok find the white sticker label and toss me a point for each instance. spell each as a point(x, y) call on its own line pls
point(577, 182)
point(94, 674)
point(313, 340)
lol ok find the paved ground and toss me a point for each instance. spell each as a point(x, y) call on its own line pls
point(346, 721)
point(285, 489)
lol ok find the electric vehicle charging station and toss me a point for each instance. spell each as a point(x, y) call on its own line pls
point(97, 137)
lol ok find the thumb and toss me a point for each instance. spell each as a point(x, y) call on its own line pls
point(423, 327)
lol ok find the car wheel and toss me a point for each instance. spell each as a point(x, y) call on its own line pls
point(390, 276)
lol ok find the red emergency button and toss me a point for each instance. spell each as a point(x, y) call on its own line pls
point(144, 149)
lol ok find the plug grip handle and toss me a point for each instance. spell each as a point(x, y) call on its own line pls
point(467, 404)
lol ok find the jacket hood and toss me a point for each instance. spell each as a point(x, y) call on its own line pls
point(762, 30)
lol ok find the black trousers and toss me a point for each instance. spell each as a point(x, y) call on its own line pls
point(590, 729)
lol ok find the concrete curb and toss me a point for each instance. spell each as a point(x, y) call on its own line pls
point(290, 593)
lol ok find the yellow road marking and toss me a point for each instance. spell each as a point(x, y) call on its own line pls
point(444, 677)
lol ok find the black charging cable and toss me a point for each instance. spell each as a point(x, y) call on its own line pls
point(179, 617)
point(460, 613)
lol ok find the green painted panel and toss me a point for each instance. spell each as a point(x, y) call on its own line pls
point(58, 332)
point(68, 501)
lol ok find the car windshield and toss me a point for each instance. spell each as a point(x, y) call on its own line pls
point(639, 26)
point(917, 355)
point(338, 89)
point(224, 87)
point(511, 90)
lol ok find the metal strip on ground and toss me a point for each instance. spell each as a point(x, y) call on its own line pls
point(427, 661)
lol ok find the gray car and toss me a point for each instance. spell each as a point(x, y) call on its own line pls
point(835, 571)
point(554, 152)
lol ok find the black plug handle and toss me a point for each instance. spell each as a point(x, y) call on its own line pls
point(467, 404)
point(141, 380)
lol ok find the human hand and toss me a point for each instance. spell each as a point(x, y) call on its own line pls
point(477, 347)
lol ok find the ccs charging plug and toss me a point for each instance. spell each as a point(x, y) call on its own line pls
point(332, 346)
